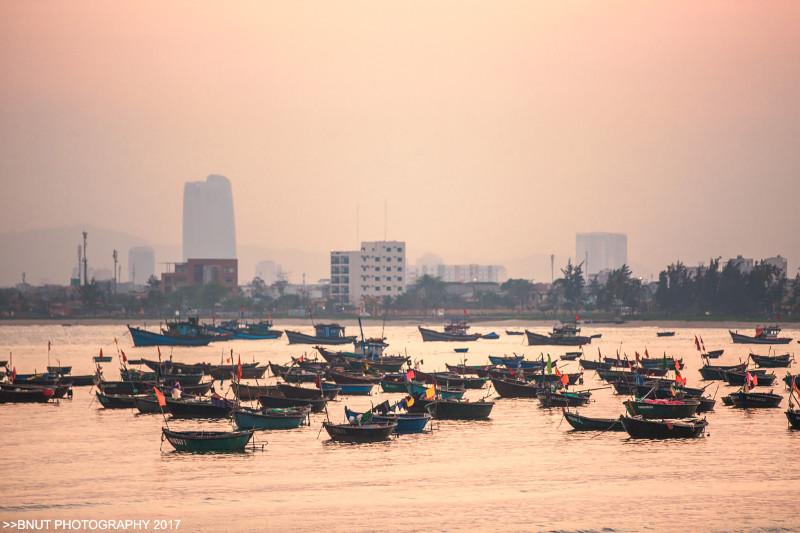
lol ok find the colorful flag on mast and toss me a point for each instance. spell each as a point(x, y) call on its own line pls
point(162, 401)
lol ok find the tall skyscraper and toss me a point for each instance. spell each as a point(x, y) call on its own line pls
point(141, 264)
point(601, 251)
point(209, 231)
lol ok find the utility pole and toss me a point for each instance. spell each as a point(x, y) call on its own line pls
point(552, 268)
point(116, 280)
point(85, 261)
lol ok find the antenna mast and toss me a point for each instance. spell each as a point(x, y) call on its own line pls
point(85, 261)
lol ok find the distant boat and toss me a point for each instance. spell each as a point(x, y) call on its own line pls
point(254, 331)
point(208, 441)
point(510, 332)
point(453, 332)
point(767, 361)
point(764, 335)
point(490, 336)
point(461, 350)
point(331, 334)
point(564, 335)
point(665, 333)
point(642, 428)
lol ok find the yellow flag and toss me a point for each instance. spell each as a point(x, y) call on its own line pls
point(430, 393)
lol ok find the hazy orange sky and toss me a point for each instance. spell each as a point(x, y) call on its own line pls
point(494, 129)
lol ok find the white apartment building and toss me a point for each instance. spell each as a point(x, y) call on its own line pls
point(377, 270)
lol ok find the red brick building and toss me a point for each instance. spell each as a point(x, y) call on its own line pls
point(195, 272)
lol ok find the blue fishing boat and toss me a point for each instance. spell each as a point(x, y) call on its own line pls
point(185, 333)
point(407, 423)
point(250, 331)
point(323, 334)
point(461, 350)
point(352, 389)
point(490, 336)
point(517, 361)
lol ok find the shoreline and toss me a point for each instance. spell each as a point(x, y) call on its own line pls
point(475, 322)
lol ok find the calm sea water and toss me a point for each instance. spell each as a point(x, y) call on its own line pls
point(522, 470)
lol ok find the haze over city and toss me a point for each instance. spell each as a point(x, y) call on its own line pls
point(492, 134)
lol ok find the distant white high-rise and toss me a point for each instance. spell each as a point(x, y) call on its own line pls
point(269, 271)
point(209, 231)
point(141, 264)
point(601, 251)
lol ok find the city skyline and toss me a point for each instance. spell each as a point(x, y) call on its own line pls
point(678, 142)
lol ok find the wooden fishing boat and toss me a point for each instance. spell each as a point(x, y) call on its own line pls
point(706, 404)
point(517, 361)
point(295, 391)
point(772, 361)
point(549, 398)
point(714, 354)
point(512, 388)
point(588, 364)
point(464, 370)
point(727, 400)
point(188, 333)
point(511, 332)
point(492, 336)
point(664, 390)
point(747, 400)
point(227, 371)
point(665, 333)
point(455, 331)
point(200, 408)
point(146, 387)
point(328, 334)
point(250, 331)
point(275, 398)
point(563, 335)
point(275, 418)
point(764, 335)
point(58, 390)
point(461, 350)
point(667, 409)
point(102, 358)
point(459, 409)
point(59, 370)
point(152, 377)
point(644, 428)
point(115, 401)
point(585, 423)
point(407, 423)
point(340, 376)
point(793, 415)
point(380, 364)
point(84, 380)
point(294, 374)
point(207, 441)
point(373, 432)
point(739, 378)
point(355, 389)
point(667, 363)
point(148, 404)
point(712, 372)
point(21, 394)
point(247, 393)
point(570, 356)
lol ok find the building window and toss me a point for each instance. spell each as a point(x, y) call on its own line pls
point(399, 269)
point(388, 269)
point(399, 278)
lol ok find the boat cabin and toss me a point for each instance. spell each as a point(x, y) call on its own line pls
point(457, 327)
point(768, 332)
point(329, 331)
point(370, 347)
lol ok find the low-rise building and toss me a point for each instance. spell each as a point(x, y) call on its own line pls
point(378, 269)
point(197, 272)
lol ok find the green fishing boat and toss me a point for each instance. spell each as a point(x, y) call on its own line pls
point(207, 441)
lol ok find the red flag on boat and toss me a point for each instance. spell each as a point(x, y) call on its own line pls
point(162, 402)
point(13, 374)
point(124, 357)
point(577, 318)
point(637, 357)
point(318, 381)
point(646, 353)
point(557, 372)
point(702, 344)
point(101, 352)
point(239, 369)
point(564, 379)
point(755, 380)
point(697, 343)
point(410, 375)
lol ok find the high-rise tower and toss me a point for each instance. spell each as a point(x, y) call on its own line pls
point(209, 230)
